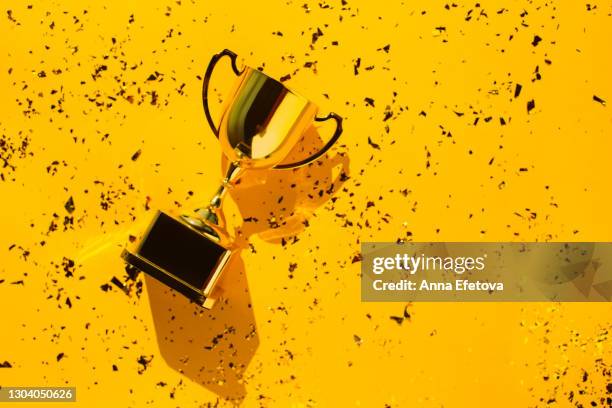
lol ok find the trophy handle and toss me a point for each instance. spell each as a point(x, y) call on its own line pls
point(207, 75)
point(325, 148)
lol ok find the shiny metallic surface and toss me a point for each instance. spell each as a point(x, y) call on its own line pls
point(262, 121)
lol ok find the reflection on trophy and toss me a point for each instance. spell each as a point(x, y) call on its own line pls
point(261, 122)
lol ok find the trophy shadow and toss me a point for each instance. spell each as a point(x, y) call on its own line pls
point(210, 347)
point(277, 204)
point(214, 347)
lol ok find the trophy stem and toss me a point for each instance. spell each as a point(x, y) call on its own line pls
point(210, 220)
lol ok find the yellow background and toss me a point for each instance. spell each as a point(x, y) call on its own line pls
point(305, 340)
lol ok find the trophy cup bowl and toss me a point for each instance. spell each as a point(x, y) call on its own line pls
point(261, 122)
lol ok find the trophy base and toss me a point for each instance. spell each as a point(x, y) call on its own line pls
point(180, 257)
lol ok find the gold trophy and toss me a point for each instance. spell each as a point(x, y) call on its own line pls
point(261, 122)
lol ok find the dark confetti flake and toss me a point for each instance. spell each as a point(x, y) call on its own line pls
point(9, 15)
point(68, 266)
point(6, 364)
point(536, 40)
point(406, 313)
point(316, 35)
point(144, 362)
point(60, 356)
point(118, 283)
point(388, 114)
point(530, 105)
point(599, 100)
point(69, 206)
point(397, 319)
point(517, 90)
point(356, 66)
point(154, 76)
point(374, 145)
point(136, 155)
